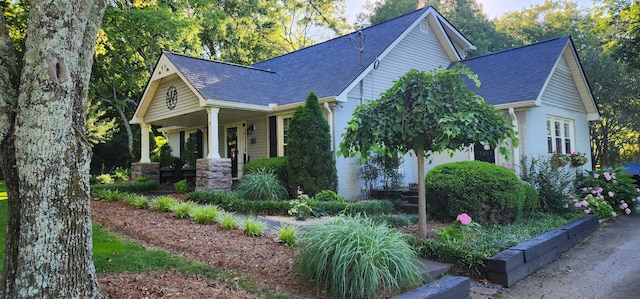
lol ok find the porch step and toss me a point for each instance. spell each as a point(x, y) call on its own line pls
point(433, 270)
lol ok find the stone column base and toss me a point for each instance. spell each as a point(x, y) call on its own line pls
point(149, 170)
point(213, 174)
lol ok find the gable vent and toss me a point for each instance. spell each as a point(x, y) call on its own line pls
point(424, 25)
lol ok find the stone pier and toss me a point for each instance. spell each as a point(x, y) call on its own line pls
point(213, 174)
point(149, 170)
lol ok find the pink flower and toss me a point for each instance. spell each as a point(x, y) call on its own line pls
point(587, 211)
point(613, 175)
point(596, 175)
point(627, 211)
point(607, 176)
point(577, 204)
point(464, 218)
point(584, 189)
point(611, 194)
point(584, 203)
point(614, 214)
point(624, 205)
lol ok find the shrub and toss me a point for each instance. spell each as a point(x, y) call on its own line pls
point(164, 203)
point(287, 234)
point(132, 187)
point(312, 163)
point(122, 174)
point(181, 186)
point(105, 179)
point(595, 204)
point(276, 164)
point(553, 184)
point(260, 186)
point(395, 220)
point(354, 257)
point(328, 195)
point(110, 195)
point(531, 201)
point(492, 193)
point(253, 227)
point(615, 186)
point(184, 209)
point(142, 179)
point(228, 221)
point(206, 214)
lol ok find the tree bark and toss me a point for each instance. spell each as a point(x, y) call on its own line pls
point(49, 246)
point(422, 193)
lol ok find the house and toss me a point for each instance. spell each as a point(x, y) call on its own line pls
point(241, 113)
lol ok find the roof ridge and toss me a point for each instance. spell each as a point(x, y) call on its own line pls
point(346, 35)
point(217, 61)
point(519, 47)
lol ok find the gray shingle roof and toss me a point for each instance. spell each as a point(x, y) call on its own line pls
point(326, 68)
point(515, 75)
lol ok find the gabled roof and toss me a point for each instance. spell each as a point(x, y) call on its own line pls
point(326, 68)
point(517, 74)
point(518, 77)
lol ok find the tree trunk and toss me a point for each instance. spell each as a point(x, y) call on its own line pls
point(422, 193)
point(45, 156)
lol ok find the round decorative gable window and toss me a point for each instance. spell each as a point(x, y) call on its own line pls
point(172, 97)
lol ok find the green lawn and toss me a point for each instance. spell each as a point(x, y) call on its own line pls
point(3, 190)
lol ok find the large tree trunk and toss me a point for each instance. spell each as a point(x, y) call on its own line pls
point(45, 155)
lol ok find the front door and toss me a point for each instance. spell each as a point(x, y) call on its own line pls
point(482, 154)
point(235, 149)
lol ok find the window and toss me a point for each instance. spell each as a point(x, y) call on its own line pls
point(283, 122)
point(560, 136)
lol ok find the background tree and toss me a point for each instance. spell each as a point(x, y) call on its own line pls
point(426, 113)
point(311, 166)
point(45, 154)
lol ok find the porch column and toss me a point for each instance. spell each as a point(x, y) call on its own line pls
point(144, 141)
point(212, 131)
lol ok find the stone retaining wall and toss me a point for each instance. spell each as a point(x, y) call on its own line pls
point(517, 262)
point(149, 170)
point(213, 174)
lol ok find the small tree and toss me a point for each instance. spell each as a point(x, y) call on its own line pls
point(312, 165)
point(426, 113)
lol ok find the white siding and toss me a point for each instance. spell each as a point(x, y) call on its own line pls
point(419, 50)
point(187, 101)
point(561, 92)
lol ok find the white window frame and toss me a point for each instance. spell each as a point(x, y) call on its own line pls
point(281, 130)
point(562, 130)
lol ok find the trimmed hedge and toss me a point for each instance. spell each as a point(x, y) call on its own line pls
point(229, 201)
point(487, 192)
point(128, 187)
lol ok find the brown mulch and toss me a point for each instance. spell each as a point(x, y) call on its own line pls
point(268, 262)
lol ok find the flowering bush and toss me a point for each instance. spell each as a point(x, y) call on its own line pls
point(560, 159)
point(595, 204)
point(578, 159)
point(616, 187)
point(460, 231)
point(300, 206)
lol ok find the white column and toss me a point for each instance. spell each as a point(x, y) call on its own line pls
point(212, 131)
point(144, 143)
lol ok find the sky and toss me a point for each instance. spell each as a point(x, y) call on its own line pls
point(493, 8)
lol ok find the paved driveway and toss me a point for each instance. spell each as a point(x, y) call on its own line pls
point(605, 265)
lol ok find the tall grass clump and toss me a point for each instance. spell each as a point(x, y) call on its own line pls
point(262, 185)
point(206, 214)
point(164, 203)
point(253, 227)
point(184, 209)
point(354, 257)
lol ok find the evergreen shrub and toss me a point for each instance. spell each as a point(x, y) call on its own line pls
point(278, 165)
point(487, 192)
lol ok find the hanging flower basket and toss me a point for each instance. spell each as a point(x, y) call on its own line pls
point(578, 159)
point(560, 159)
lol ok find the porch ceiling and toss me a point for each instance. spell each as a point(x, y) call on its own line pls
point(199, 118)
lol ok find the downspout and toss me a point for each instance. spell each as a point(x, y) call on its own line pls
point(516, 149)
point(332, 123)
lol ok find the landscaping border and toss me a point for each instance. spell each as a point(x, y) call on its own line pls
point(512, 265)
point(448, 287)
